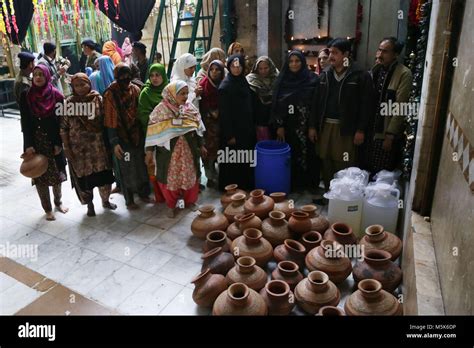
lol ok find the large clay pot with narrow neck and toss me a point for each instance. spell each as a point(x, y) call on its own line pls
point(377, 265)
point(249, 220)
point(278, 297)
point(216, 239)
point(259, 204)
point(330, 311)
point(246, 271)
point(236, 207)
point(34, 165)
point(230, 190)
point(275, 228)
point(299, 223)
point(289, 272)
point(234, 231)
point(207, 287)
point(253, 244)
point(290, 250)
point(377, 238)
point(208, 220)
point(239, 299)
point(218, 261)
point(341, 233)
point(282, 204)
point(315, 292)
point(329, 258)
point(371, 299)
point(311, 240)
point(318, 222)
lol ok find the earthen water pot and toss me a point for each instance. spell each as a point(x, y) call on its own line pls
point(318, 222)
point(377, 265)
point(249, 220)
point(289, 272)
point(282, 204)
point(299, 223)
point(230, 190)
point(371, 299)
point(330, 311)
point(290, 250)
point(208, 220)
point(216, 239)
point(329, 258)
point(259, 204)
point(275, 228)
point(246, 271)
point(34, 165)
point(207, 287)
point(253, 244)
point(278, 297)
point(311, 240)
point(377, 238)
point(239, 299)
point(236, 207)
point(315, 292)
point(341, 233)
point(234, 231)
point(218, 261)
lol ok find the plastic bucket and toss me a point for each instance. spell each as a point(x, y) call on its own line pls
point(273, 169)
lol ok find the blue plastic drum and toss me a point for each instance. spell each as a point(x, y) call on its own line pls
point(273, 169)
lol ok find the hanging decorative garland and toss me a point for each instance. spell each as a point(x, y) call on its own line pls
point(12, 12)
point(7, 19)
point(3, 29)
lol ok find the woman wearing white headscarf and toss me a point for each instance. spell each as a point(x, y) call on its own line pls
point(183, 69)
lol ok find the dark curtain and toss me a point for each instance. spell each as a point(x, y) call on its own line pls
point(23, 13)
point(132, 15)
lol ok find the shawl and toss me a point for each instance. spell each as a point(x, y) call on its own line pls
point(212, 55)
point(42, 100)
point(210, 88)
point(160, 127)
point(263, 86)
point(103, 78)
point(150, 95)
point(110, 49)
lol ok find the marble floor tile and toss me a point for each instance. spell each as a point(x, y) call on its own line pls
point(16, 297)
point(48, 251)
point(169, 242)
point(144, 234)
point(123, 249)
point(150, 259)
point(99, 241)
point(179, 270)
point(6, 282)
point(183, 304)
point(122, 226)
point(77, 233)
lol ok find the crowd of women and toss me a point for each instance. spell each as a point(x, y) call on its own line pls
point(154, 135)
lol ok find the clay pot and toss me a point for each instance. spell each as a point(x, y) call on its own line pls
point(218, 261)
point(377, 265)
point(275, 228)
point(253, 244)
point(259, 204)
point(330, 311)
point(371, 299)
point(234, 231)
point(249, 220)
point(299, 223)
point(282, 204)
point(236, 207)
point(288, 271)
point(311, 240)
point(278, 297)
point(315, 292)
point(208, 220)
point(239, 299)
point(376, 238)
point(207, 287)
point(34, 165)
point(246, 271)
point(290, 250)
point(329, 257)
point(216, 239)
point(318, 222)
point(230, 190)
point(341, 233)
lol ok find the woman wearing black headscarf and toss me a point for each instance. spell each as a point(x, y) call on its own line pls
point(237, 128)
point(291, 105)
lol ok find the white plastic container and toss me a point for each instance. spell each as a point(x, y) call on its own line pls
point(381, 206)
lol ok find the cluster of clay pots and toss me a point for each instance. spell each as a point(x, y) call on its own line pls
point(240, 241)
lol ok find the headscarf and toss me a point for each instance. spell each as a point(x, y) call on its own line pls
point(233, 45)
point(289, 83)
point(110, 49)
point(89, 71)
point(127, 47)
point(237, 84)
point(160, 127)
point(263, 86)
point(104, 77)
point(150, 95)
point(120, 70)
point(186, 61)
point(93, 124)
point(210, 87)
point(42, 100)
point(215, 53)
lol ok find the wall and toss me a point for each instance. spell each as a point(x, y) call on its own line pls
point(453, 205)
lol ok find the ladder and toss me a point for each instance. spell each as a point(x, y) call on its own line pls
point(171, 18)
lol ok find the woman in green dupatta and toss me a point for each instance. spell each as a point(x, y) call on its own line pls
point(150, 97)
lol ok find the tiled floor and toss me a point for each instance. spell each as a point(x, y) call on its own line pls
point(138, 262)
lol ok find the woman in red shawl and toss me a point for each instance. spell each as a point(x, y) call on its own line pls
point(209, 108)
point(40, 127)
